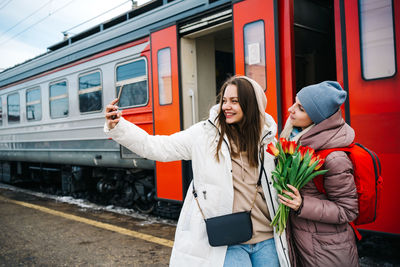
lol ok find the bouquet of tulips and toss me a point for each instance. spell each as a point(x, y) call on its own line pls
point(295, 165)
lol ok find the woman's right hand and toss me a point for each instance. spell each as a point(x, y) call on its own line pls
point(112, 110)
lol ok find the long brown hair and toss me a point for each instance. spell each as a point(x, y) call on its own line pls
point(245, 135)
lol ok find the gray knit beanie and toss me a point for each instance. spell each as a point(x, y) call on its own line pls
point(322, 100)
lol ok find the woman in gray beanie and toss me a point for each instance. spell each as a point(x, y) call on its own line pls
point(319, 229)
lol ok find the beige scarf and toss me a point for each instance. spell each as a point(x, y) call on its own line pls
point(289, 128)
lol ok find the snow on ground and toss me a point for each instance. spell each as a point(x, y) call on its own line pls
point(84, 204)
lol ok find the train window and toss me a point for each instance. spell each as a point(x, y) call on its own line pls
point(13, 108)
point(133, 76)
point(33, 105)
point(90, 92)
point(58, 100)
point(254, 52)
point(378, 58)
point(164, 76)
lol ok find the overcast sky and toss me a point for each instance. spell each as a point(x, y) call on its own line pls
point(29, 27)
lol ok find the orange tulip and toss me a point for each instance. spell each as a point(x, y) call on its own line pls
point(271, 149)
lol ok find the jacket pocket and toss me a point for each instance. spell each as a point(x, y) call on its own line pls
point(209, 200)
point(335, 249)
point(331, 240)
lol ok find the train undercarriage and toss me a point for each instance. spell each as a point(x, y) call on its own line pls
point(130, 188)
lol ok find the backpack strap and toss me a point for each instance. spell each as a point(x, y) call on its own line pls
point(319, 180)
point(356, 232)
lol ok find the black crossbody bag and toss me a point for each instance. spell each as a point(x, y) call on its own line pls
point(230, 229)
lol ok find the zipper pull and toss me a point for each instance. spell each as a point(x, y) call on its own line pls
point(204, 194)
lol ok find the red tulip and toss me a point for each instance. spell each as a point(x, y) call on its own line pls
point(292, 147)
point(271, 149)
point(284, 144)
point(310, 150)
point(313, 159)
point(303, 151)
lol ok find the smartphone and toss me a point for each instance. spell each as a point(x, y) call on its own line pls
point(116, 103)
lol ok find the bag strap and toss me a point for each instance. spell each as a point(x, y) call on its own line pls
point(194, 192)
point(197, 201)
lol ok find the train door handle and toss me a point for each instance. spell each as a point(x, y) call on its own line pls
point(192, 96)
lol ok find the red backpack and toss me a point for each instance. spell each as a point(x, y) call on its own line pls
point(368, 180)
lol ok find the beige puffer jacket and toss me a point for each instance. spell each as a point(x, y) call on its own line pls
point(320, 233)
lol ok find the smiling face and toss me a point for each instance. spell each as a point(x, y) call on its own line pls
point(298, 116)
point(230, 105)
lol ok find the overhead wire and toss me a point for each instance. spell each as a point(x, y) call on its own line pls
point(31, 26)
point(30, 15)
point(5, 3)
point(66, 31)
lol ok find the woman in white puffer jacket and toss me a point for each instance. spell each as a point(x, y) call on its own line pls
point(226, 151)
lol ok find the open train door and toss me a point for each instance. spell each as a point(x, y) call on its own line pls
point(166, 113)
point(367, 51)
point(256, 42)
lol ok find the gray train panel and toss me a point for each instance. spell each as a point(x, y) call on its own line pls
point(77, 139)
point(76, 157)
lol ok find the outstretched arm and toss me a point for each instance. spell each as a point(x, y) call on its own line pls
point(173, 147)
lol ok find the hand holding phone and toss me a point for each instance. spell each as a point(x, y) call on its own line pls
point(116, 103)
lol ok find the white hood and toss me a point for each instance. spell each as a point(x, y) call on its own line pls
point(267, 120)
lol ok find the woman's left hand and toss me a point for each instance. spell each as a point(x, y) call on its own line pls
point(296, 200)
